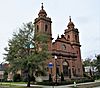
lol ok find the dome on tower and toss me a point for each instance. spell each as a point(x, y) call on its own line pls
point(42, 12)
point(70, 23)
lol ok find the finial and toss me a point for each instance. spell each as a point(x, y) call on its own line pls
point(42, 6)
point(70, 18)
point(58, 36)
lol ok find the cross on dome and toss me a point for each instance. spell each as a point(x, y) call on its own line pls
point(42, 12)
point(42, 6)
point(70, 24)
point(70, 18)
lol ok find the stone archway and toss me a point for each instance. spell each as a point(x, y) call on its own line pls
point(65, 68)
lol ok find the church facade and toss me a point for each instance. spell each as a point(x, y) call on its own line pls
point(65, 50)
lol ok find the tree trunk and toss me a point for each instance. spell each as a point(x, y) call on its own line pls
point(28, 81)
point(28, 78)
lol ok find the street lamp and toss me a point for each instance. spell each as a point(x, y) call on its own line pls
point(56, 67)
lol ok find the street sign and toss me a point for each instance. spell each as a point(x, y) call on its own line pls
point(50, 65)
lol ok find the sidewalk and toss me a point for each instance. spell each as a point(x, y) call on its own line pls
point(79, 85)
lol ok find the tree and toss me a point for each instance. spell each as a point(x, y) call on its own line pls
point(91, 64)
point(87, 62)
point(16, 78)
point(5, 76)
point(98, 63)
point(26, 50)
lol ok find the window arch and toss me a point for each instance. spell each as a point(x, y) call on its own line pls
point(46, 27)
point(68, 37)
point(65, 68)
point(76, 37)
point(37, 28)
point(63, 47)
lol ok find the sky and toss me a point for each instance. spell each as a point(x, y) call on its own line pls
point(85, 15)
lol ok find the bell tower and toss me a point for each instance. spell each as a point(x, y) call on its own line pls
point(43, 26)
point(72, 35)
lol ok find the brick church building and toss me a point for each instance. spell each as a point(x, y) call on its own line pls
point(65, 49)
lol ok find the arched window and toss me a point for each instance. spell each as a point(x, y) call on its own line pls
point(63, 47)
point(46, 27)
point(37, 28)
point(68, 37)
point(65, 68)
point(76, 38)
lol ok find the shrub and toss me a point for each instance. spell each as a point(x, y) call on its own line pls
point(5, 76)
point(33, 78)
point(17, 78)
point(62, 77)
point(65, 82)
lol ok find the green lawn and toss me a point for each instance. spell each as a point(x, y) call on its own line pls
point(13, 85)
point(3, 86)
point(13, 82)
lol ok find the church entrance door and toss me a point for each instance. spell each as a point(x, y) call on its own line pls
point(65, 68)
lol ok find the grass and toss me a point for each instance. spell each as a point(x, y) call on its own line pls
point(17, 87)
point(13, 82)
point(13, 85)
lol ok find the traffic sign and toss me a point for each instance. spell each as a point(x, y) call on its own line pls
point(50, 65)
